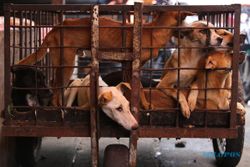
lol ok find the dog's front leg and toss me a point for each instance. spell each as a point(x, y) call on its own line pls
point(167, 87)
point(192, 96)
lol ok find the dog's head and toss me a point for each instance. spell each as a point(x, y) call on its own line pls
point(219, 60)
point(201, 33)
point(116, 106)
point(223, 60)
point(35, 89)
point(227, 37)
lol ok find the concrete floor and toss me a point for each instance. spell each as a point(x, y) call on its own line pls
point(75, 152)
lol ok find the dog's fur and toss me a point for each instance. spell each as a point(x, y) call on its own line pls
point(217, 96)
point(28, 77)
point(111, 100)
point(109, 38)
point(189, 58)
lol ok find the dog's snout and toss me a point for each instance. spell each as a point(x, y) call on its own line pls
point(219, 39)
point(135, 126)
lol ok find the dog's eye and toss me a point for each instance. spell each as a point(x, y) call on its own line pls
point(119, 109)
point(204, 31)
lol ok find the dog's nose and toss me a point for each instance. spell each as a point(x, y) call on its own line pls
point(135, 126)
point(219, 39)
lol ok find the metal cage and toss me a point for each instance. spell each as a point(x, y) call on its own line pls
point(25, 38)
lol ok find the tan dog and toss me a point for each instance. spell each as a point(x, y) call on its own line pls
point(189, 58)
point(227, 38)
point(111, 100)
point(75, 38)
point(217, 97)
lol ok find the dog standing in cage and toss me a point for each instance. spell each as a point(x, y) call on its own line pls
point(218, 95)
point(192, 41)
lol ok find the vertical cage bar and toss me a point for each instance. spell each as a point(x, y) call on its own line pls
point(25, 33)
point(30, 32)
point(61, 54)
point(21, 36)
point(94, 85)
point(177, 119)
point(235, 65)
point(135, 82)
point(7, 95)
point(14, 39)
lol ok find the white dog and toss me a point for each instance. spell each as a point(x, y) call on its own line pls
point(110, 99)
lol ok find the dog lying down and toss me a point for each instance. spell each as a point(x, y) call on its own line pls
point(32, 78)
point(111, 100)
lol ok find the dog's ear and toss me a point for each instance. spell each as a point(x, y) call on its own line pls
point(182, 32)
point(105, 97)
point(184, 14)
point(125, 88)
point(210, 63)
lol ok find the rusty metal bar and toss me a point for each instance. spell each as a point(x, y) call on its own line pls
point(108, 131)
point(14, 39)
point(61, 51)
point(135, 82)
point(7, 81)
point(188, 132)
point(94, 85)
point(116, 8)
point(235, 65)
point(21, 35)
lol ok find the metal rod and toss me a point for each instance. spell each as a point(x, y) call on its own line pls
point(7, 81)
point(135, 82)
point(235, 65)
point(94, 85)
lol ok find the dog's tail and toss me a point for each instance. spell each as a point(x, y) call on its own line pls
point(39, 54)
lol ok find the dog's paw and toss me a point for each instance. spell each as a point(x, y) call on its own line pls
point(241, 109)
point(191, 104)
point(185, 110)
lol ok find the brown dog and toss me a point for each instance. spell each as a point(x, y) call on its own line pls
point(189, 58)
point(219, 64)
point(74, 38)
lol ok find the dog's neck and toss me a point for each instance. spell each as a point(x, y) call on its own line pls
point(161, 36)
point(216, 79)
